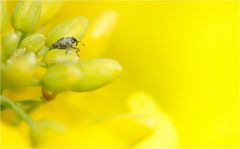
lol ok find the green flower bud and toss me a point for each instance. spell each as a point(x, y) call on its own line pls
point(20, 72)
point(26, 15)
point(60, 56)
point(34, 42)
point(61, 77)
point(10, 43)
point(3, 19)
point(72, 28)
point(16, 54)
point(43, 51)
point(96, 73)
point(44, 129)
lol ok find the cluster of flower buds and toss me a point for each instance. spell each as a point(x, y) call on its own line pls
point(26, 50)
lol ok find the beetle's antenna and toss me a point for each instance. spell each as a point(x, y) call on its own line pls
point(82, 43)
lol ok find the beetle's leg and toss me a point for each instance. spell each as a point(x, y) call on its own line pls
point(77, 42)
point(77, 50)
point(77, 54)
point(68, 48)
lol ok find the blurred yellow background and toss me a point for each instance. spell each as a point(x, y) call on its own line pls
point(185, 54)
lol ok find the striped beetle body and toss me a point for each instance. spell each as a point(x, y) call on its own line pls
point(66, 43)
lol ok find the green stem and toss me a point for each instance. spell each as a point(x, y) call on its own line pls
point(11, 105)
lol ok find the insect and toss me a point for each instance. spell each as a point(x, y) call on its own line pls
point(66, 43)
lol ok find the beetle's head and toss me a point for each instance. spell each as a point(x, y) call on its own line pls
point(54, 45)
point(73, 40)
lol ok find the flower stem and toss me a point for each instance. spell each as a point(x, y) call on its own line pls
point(11, 105)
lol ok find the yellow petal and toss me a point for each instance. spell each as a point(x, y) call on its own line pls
point(129, 128)
point(50, 8)
point(165, 135)
point(48, 134)
point(98, 35)
point(24, 93)
point(11, 138)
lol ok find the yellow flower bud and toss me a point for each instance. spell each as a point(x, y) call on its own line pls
point(3, 19)
point(26, 15)
point(10, 43)
point(61, 77)
point(98, 35)
point(20, 72)
point(72, 28)
point(33, 43)
point(49, 9)
point(60, 56)
point(96, 73)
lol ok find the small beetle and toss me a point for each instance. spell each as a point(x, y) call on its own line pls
point(66, 43)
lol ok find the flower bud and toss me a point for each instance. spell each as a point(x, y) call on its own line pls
point(96, 73)
point(20, 72)
point(49, 9)
point(10, 43)
point(16, 54)
point(26, 15)
point(61, 77)
point(57, 56)
point(98, 35)
point(33, 43)
point(43, 130)
point(43, 51)
point(72, 28)
point(3, 19)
